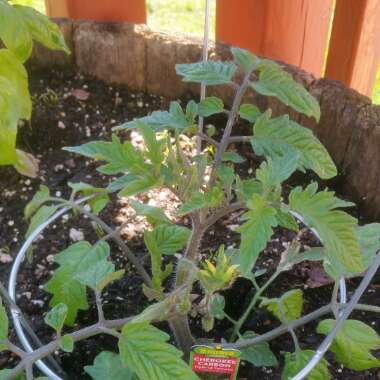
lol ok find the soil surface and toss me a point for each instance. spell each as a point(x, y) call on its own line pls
point(70, 109)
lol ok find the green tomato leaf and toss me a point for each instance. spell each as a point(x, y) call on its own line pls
point(247, 60)
point(255, 232)
point(4, 375)
point(166, 239)
point(107, 366)
point(56, 317)
point(217, 305)
point(274, 81)
point(154, 215)
point(4, 325)
point(335, 227)
point(249, 112)
point(175, 119)
point(66, 343)
point(213, 198)
point(288, 306)
point(232, 157)
point(39, 198)
point(259, 355)
point(353, 344)
point(369, 241)
point(121, 157)
point(275, 137)
point(273, 172)
point(41, 216)
point(132, 184)
point(210, 106)
point(208, 73)
point(296, 361)
point(286, 220)
point(143, 349)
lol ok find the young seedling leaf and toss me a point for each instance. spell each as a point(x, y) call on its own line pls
point(369, 241)
point(66, 343)
point(232, 157)
point(109, 278)
point(259, 355)
point(256, 231)
point(41, 216)
point(56, 317)
point(296, 361)
point(143, 349)
point(212, 198)
point(132, 184)
point(208, 73)
point(154, 215)
point(274, 137)
point(166, 239)
point(108, 366)
point(274, 81)
point(217, 306)
point(210, 106)
point(247, 60)
point(4, 375)
point(38, 199)
point(353, 344)
point(249, 112)
point(335, 227)
point(288, 306)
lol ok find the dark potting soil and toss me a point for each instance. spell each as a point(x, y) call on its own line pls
point(70, 109)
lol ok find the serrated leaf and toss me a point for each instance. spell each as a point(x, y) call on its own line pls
point(335, 227)
point(213, 198)
point(286, 220)
point(41, 216)
point(66, 343)
point(296, 361)
point(38, 199)
point(166, 239)
point(209, 73)
point(245, 59)
point(274, 81)
point(256, 231)
point(153, 145)
point(109, 278)
point(107, 366)
point(154, 215)
point(274, 137)
point(144, 350)
point(56, 317)
point(226, 174)
point(288, 306)
point(121, 157)
point(273, 172)
point(175, 118)
point(4, 325)
point(217, 305)
point(246, 188)
point(210, 106)
point(232, 157)
point(132, 184)
point(369, 241)
point(249, 112)
point(260, 355)
point(353, 343)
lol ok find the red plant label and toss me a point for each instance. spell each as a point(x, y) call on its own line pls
point(215, 363)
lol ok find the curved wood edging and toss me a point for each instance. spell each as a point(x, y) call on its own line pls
point(144, 60)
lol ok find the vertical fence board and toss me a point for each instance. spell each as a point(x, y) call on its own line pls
point(354, 52)
point(294, 31)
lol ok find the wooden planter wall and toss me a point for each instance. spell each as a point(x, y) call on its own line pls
point(144, 60)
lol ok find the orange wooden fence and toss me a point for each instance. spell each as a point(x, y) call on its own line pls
point(293, 31)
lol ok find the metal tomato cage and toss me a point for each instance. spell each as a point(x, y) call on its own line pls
point(344, 314)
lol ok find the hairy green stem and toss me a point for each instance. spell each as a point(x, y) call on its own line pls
point(251, 305)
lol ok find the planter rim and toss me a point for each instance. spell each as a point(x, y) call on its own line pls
point(52, 375)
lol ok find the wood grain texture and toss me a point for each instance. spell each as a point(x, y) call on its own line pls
point(354, 53)
point(295, 31)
